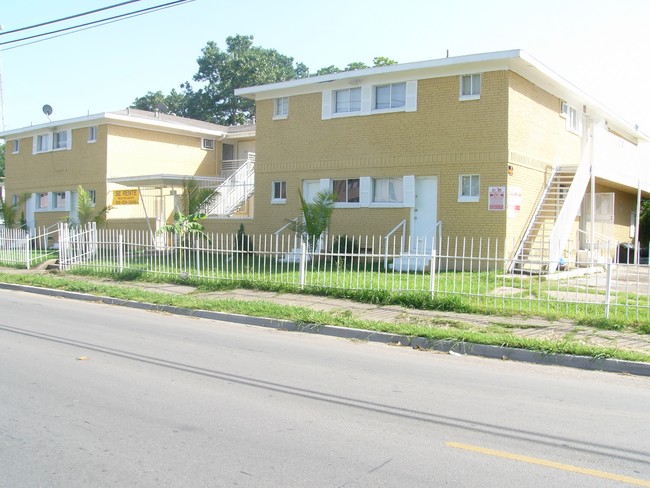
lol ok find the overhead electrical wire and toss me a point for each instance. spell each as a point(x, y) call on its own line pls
point(91, 25)
point(49, 22)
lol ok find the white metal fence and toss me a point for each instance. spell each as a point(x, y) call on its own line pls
point(450, 271)
point(20, 248)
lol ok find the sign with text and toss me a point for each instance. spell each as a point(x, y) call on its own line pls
point(126, 197)
point(514, 201)
point(497, 198)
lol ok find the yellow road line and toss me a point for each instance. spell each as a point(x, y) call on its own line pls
point(550, 464)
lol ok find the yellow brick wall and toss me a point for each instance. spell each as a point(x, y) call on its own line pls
point(444, 138)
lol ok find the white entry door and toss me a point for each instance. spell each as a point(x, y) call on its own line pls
point(424, 215)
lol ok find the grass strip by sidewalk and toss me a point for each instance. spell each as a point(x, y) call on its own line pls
point(304, 315)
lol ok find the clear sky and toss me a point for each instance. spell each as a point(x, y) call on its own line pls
point(601, 46)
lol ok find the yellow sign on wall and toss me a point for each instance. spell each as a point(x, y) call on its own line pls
point(126, 197)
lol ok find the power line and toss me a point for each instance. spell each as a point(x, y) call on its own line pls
point(90, 25)
point(67, 18)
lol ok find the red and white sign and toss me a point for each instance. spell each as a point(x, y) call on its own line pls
point(497, 198)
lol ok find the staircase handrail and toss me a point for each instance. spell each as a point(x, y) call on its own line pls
point(567, 215)
point(531, 222)
point(237, 185)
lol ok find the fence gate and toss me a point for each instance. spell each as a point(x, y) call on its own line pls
point(77, 244)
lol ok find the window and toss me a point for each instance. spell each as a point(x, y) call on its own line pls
point(469, 188)
point(388, 190)
point(208, 144)
point(390, 96)
point(93, 196)
point(346, 191)
point(16, 146)
point(470, 87)
point(43, 201)
point(279, 192)
point(573, 118)
point(59, 200)
point(281, 108)
point(42, 143)
point(348, 100)
point(14, 201)
point(227, 152)
point(60, 139)
point(92, 133)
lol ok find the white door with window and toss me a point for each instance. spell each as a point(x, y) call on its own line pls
point(424, 215)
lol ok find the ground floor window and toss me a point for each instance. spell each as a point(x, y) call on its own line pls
point(346, 191)
point(469, 187)
point(279, 192)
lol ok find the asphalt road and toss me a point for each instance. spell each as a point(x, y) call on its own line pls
point(100, 396)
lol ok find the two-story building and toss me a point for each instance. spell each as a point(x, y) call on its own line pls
point(134, 160)
point(490, 145)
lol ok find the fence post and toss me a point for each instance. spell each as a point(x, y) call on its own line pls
point(303, 263)
point(120, 252)
point(27, 251)
point(196, 259)
point(432, 273)
point(608, 289)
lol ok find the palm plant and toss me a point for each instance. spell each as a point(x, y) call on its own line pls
point(194, 203)
point(86, 211)
point(316, 216)
point(9, 213)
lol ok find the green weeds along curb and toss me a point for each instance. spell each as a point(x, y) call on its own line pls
point(466, 338)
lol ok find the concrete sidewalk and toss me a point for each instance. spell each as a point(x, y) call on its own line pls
point(530, 327)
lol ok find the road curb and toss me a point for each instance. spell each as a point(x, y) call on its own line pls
point(444, 345)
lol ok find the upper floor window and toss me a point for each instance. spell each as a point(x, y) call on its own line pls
point(390, 96)
point(469, 187)
point(279, 192)
point(16, 146)
point(573, 118)
point(208, 144)
point(92, 133)
point(42, 143)
point(470, 87)
point(14, 201)
point(346, 191)
point(347, 100)
point(388, 190)
point(60, 140)
point(281, 108)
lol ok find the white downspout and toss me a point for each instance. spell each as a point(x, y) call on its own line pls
point(636, 224)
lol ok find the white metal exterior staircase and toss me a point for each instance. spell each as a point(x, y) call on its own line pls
point(235, 190)
point(546, 236)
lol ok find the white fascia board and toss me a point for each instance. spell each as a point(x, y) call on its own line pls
point(67, 124)
point(412, 71)
point(161, 126)
point(547, 79)
point(115, 119)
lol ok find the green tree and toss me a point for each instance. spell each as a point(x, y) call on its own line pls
point(328, 70)
point(174, 103)
point(316, 217)
point(355, 66)
point(382, 61)
point(242, 64)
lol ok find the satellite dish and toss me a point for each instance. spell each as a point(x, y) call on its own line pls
point(47, 110)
